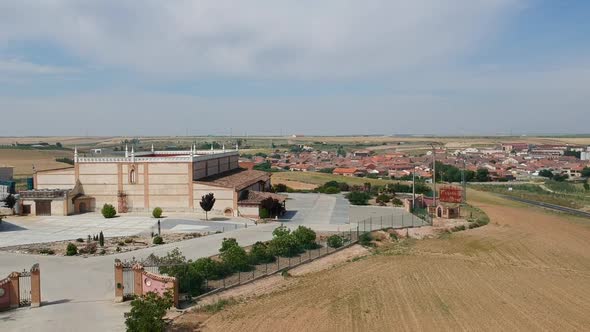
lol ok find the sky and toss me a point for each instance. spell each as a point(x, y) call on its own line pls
point(314, 67)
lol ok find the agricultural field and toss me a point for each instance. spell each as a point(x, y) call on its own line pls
point(528, 269)
point(23, 160)
point(559, 193)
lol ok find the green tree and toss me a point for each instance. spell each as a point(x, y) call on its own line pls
point(358, 198)
point(259, 254)
point(228, 243)
point(586, 186)
point(305, 236)
point(586, 172)
point(264, 166)
point(546, 173)
point(235, 258)
point(482, 175)
point(108, 211)
point(9, 201)
point(157, 212)
point(207, 202)
point(147, 313)
point(335, 241)
point(210, 269)
point(71, 249)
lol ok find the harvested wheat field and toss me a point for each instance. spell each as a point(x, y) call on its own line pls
point(527, 270)
point(23, 160)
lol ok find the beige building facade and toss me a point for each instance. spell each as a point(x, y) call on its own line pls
point(139, 182)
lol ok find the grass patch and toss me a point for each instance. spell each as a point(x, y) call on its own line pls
point(536, 193)
point(219, 305)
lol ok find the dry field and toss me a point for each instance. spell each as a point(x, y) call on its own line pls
point(527, 270)
point(23, 160)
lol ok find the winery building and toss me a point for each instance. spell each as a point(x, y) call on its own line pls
point(141, 181)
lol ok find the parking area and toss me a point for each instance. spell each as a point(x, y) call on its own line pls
point(25, 230)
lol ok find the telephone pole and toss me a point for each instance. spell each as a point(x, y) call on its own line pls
point(433, 173)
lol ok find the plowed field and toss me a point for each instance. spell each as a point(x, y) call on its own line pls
point(527, 270)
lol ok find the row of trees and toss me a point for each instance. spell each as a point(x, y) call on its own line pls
point(233, 258)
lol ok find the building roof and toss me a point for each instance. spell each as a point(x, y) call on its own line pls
point(238, 178)
point(344, 170)
point(256, 197)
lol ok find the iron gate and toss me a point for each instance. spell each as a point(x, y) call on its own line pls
point(24, 284)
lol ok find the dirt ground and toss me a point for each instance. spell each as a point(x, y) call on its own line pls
point(529, 269)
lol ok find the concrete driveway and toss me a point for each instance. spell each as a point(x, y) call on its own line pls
point(24, 230)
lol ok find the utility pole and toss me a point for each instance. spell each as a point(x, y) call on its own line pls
point(414, 189)
point(433, 174)
point(464, 183)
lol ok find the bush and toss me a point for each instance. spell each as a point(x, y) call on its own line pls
point(358, 198)
point(365, 239)
point(157, 212)
point(264, 213)
point(396, 202)
point(108, 211)
point(236, 259)
point(190, 280)
point(259, 254)
point(393, 236)
point(284, 243)
point(332, 190)
point(80, 240)
point(158, 240)
point(47, 251)
point(228, 243)
point(128, 240)
point(383, 199)
point(210, 269)
point(458, 228)
point(101, 239)
point(335, 241)
point(147, 313)
point(121, 244)
point(71, 249)
point(306, 237)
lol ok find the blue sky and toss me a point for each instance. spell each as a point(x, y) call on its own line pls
point(317, 67)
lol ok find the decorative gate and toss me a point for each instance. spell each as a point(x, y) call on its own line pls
point(24, 283)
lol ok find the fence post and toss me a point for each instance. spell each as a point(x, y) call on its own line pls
point(118, 281)
point(35, 286)
point(137, 276)
point(14, 291)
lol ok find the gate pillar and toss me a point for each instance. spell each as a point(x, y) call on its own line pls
point(35, 286)
point(14, 290)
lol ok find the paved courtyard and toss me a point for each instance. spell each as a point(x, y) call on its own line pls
point(25, 230)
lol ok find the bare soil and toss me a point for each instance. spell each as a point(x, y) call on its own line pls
point(528, 269)
point(112, 245)
point(23, 160)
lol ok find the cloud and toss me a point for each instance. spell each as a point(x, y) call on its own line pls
point(15, 66)
point(259, 38)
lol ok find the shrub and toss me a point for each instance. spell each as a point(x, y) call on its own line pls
point(284, 244)
point(108, 211)
point(458, 228)
point(71, 249)
point(158, 240)
point(332, 190)
point(335, 241)
point(228, 243)
point(147, 312)
point(210, 269)
point(264, 213)
point(235, 258)
point(305, 236)
point(118, 249)
point(383, 199)
point(393, 236)
point(46, 251)
point(102, 252)
point(259, 254)
point(280, 231)
point(365, 239)
point(396, 201)
point(128, 240)
point(189, 278)
point(80, 240)
point(101, 239)
point(358, 198)
point(121, 244)
point(157, 212)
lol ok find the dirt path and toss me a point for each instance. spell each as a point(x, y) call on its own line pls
point(527, 270)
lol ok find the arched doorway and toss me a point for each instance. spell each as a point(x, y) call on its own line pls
point(228, 212)
point(439, 212)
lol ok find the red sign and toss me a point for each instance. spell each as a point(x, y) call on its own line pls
point(451, 194)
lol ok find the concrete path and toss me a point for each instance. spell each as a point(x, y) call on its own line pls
point(77, 293)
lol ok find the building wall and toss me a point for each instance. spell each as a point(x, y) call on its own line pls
point(204, 168)
point(249, 211)
point(56, 179)
point(224, 197)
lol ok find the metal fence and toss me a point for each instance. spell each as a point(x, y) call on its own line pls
point(24, 284)
point(392, 221)
point(349, 237)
